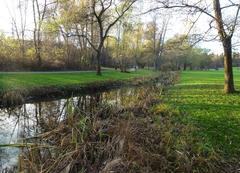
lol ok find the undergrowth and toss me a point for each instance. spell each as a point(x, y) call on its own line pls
point(106, 139)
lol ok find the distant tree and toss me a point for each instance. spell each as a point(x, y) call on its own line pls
point(158, 38)
point(179, 50)
point(106, 13)
point(180, 54)
point(225, 27)
point(39, 12)
point(20, 29)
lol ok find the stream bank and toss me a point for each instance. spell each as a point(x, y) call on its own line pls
point(37, 94)
point(98, 132)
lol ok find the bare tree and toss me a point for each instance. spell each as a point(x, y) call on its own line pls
point(106, 13)
point(19, 27)
point(225, 28)
point(39, 12)
point(226, 38)
point(159, 46)
point(100, 9)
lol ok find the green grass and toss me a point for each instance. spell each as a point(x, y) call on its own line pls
point(28, 80)
point(213, 116)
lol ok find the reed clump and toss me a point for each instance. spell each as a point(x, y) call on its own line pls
point(12, 98)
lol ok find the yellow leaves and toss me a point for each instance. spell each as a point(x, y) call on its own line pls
point(72, 11)
point(50, 26)
point(30, 52)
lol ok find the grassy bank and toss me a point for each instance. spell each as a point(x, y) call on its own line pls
point(206, 129)
point(19, 88)
point(28, 80)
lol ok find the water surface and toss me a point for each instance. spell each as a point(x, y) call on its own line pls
point(31, 119)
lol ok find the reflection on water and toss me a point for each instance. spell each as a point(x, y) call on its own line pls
point(32, 119)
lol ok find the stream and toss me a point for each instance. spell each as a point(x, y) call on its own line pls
point(31, 119)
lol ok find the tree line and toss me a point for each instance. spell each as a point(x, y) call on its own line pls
point(67, 35)
point(89, 34)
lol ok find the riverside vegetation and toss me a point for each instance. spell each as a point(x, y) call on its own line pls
point(180, 124)
point(89, 134)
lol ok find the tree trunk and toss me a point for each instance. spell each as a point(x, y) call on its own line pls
point(39, 60)
point(184, 66)
point(99, 63)
point(227, 46)
point(157, 63)
point(228, 70)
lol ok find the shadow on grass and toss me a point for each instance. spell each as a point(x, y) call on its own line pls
point(206, 107)
point(222, 133)
point(215, 115)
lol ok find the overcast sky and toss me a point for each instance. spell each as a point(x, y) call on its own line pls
point(178, 23)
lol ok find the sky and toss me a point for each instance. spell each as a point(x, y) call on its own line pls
point(9, 11)
point(5, 19)
point(178, 23)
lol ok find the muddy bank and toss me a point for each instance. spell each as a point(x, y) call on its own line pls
point(19, 97)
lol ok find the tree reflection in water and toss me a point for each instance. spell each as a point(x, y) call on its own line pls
point(30, 120)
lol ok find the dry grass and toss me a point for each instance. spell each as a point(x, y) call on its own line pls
point(141, 137)
point(134, 139)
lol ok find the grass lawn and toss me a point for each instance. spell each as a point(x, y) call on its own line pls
point(28, 80)
point(210, 117)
